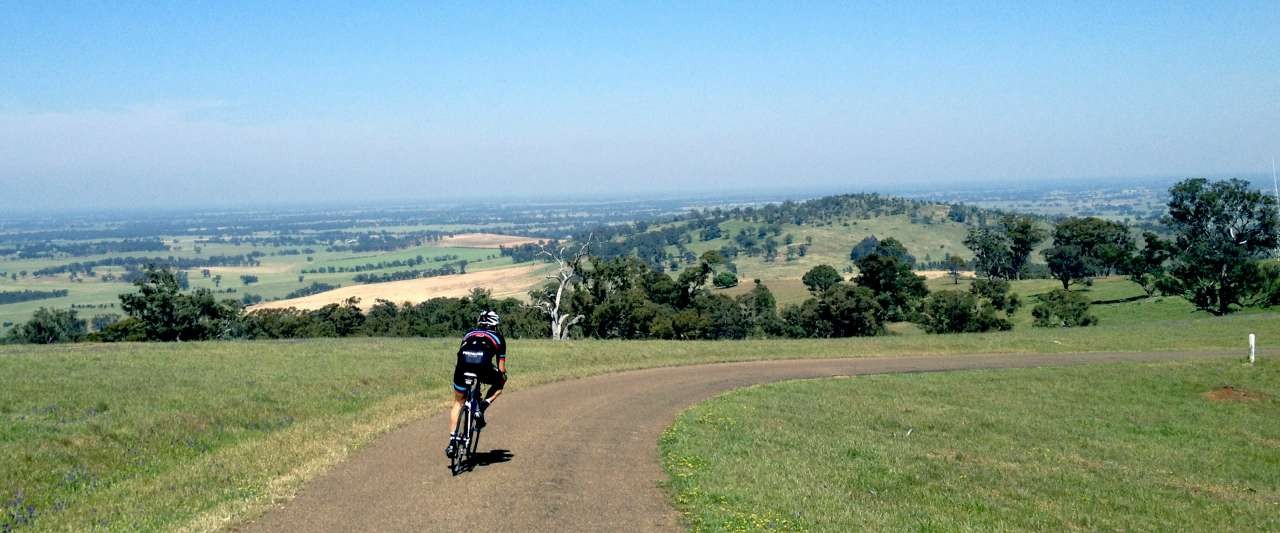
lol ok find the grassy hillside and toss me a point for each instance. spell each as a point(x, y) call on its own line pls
point(1114, 447)
point(162, 436)
point(832, 242)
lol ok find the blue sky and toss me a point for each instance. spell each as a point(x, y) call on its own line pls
point(115, 104)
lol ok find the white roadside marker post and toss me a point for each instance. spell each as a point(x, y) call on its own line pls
point(1253, 348)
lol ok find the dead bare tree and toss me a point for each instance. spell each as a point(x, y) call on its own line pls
point(567, 269)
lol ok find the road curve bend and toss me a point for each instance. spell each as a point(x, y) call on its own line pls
point(580, 455)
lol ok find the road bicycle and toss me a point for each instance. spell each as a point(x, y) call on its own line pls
point(467, 431)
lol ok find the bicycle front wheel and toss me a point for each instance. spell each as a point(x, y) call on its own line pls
point(460, 450)
point(473, 438)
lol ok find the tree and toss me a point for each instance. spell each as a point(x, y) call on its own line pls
point(724, 280)
point(248, 279)
point(692, 280)
point(168, 315)
point(49, 326)
point(1268, 294)
point(770, 249)
point(551, 299)
point(725, 319)
point(887, 273)
point(1222, 231)
point(1024, 234)
point(820, 278)
point(863, 248)
point(1066, 264)
point(103, 321)
point(1063, 308)
point(954, 264)
point(1104, 246)
point(761, 308)
point(712, 257)
point(991, 252)
point(1147, 267)
point(155, 304)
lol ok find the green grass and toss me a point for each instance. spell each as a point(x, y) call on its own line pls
point(1108, 447)
point(165, 436)
point(428, 252)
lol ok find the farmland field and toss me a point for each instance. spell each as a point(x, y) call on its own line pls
point(514, 282)
point(277, 274)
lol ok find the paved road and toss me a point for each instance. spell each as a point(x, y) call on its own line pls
point(571, 456)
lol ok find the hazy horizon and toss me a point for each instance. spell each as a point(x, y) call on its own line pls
point(138, 106)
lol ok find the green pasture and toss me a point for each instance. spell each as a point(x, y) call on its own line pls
point(1116, 447)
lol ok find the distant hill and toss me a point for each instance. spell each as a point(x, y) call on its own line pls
point(783, 241)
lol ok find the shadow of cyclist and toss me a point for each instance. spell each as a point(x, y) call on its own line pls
point(491, 457)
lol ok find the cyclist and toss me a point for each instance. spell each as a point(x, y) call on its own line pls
point(483, 353)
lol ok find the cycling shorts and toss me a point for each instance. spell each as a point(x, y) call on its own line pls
point(487, 375)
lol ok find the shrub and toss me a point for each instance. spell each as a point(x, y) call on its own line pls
point(842, 311)
point(975, 311)
point(1063, 308)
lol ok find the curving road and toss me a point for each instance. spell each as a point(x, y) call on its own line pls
point(571, 456)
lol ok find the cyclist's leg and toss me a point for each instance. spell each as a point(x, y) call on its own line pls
point(496, 381)
point(459, 395)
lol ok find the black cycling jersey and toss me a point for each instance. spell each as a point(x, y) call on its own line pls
point(479, 354)
point(482, 346)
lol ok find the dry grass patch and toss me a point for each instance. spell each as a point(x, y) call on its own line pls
point(1231, 394)
point(503, 282)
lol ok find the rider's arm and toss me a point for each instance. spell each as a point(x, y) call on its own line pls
point(502, 354)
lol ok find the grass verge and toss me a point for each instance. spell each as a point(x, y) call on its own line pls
point(1109, 447)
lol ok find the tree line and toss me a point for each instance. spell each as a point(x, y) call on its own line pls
point(44, 249)
point(382, 265)
point(448, 269)
point(1214, 254)
point(13, 297)
point(180, 263)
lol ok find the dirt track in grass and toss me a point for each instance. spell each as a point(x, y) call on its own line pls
point(576, 455)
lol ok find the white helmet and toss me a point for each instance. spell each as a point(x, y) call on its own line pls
point(488, 319)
